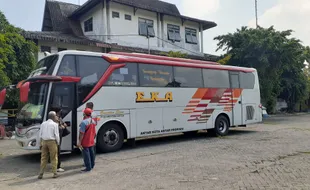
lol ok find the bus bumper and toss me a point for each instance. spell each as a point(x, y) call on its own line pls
point(28, 143)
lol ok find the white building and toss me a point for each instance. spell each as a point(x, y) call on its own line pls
point(120, 25)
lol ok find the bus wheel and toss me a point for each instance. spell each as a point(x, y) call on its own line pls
point(221, 127)
point(110, 138)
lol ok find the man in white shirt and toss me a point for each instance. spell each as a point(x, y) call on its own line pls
point(49, 135)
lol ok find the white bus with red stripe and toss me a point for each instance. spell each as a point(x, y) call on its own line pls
point(136, 96)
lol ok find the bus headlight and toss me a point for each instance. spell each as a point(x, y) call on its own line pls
point(31, 133)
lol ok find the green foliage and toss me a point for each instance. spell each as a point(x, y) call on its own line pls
point(17, 58)
point(178, 54)
point(278, 59)
point(225, 59)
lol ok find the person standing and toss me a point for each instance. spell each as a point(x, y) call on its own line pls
point(90, 105)
point(2, 131)
point(49, 135)
point(87, 139)
point(61, 126)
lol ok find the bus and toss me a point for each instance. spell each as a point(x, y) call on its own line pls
point(135, 96)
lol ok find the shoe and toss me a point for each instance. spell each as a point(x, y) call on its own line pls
point(55, 175)
point(85, 170)
point(60, 170)
point(40, 176)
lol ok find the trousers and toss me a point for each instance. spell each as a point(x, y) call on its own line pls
point(89, 157)
point(49, 150)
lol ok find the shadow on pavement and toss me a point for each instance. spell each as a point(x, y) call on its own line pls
point(28, 165)
point(47, 176)
point(161, 141)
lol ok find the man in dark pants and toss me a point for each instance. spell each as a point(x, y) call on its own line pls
point(87, 139)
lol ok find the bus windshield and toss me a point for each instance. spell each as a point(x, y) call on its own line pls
point(46, 66)
point(33, 110)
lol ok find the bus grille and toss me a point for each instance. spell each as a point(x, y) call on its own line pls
point(249, 112)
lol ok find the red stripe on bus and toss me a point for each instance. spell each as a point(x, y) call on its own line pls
point(202, 105)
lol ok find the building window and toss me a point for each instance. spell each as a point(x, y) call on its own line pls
point(191, 36)
point(61, 49)
point(115, 14)
point(146, 27)
point(45, 48)
point(174, 33)
point(88, 25)
point(127, 17)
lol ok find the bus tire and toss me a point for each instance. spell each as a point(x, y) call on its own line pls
point(221, 127)
point(110, 138)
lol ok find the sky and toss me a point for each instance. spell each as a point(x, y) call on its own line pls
point(228, 14)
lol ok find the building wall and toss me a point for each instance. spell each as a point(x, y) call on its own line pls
point(98, 23)
point(54, 47)
point(120, 26)
point(187, 24)
point(126, 32)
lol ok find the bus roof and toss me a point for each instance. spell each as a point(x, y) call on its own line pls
point(141, 55)
point(157, 60)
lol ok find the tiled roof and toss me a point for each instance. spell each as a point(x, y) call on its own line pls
point(56, 18)
point(151, 5)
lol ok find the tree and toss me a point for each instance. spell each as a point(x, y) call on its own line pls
point(177, 54)
point(17, 58)
point(277, 58)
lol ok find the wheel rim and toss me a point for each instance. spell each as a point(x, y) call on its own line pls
point(111, 137)
point(222, 126)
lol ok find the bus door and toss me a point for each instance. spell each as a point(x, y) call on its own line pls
point(237, 116)
point(63, 96)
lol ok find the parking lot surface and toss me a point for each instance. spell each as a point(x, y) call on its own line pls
point(272, 155)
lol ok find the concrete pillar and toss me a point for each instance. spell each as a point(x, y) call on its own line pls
point(162, 29)
point(158, 30)
point(104, 23)
point(108, 19)
point(201, 38)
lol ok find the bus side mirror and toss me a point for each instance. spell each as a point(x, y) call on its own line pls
point(24, 91)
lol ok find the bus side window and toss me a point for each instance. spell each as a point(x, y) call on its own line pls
point(67, 66)
point(125, 76)
point(247, 80)
point(90, 69)
point(155, 75)
point(188, 77)
point(61, 98)
point(216, 78)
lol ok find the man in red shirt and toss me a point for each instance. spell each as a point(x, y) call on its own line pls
point(87, 139)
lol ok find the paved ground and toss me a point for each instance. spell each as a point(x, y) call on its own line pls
point(273, 155)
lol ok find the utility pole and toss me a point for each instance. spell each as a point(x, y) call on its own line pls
point(256, 17)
